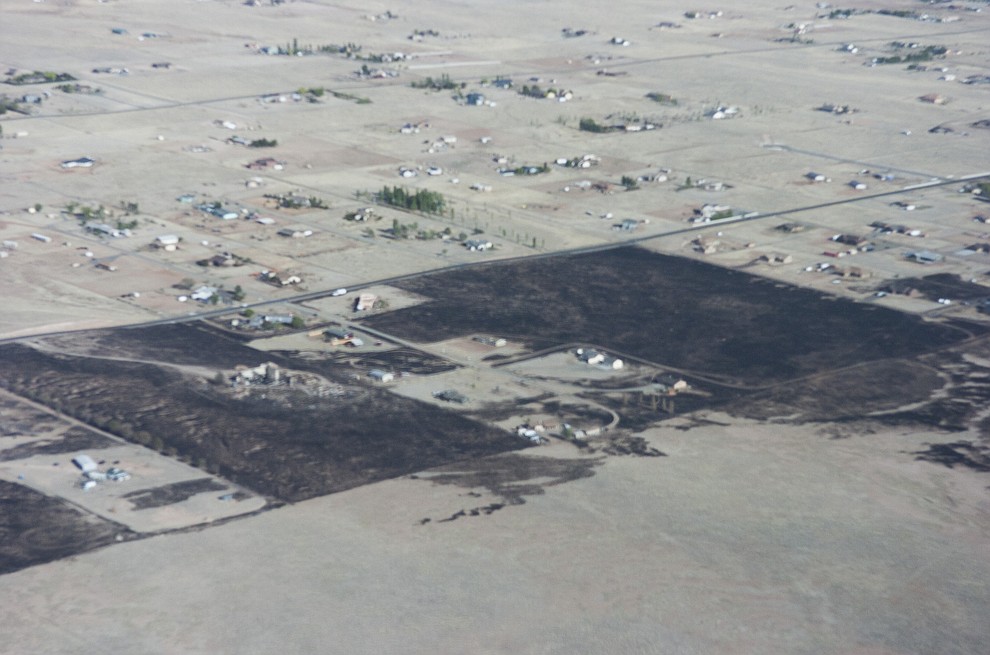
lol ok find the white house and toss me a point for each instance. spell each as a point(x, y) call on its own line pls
point(82, 162)
point(167, 242)
point(381, 376)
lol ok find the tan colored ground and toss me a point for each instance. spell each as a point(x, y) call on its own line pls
point(338, 147)
point(746, 539)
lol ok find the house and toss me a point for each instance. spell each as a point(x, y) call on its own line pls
point(613, 363)
point(924, 256)
point(594, 357)
point(167, 242)
point(365, 301)
point(265, 163)
point(856, 184)
point(672, 381)
point(381, 376)
point(84, 463)
point(294, 233)
point(933, 98)
point(776, 258)
point(478, 244)
point(278, 319)
point(850, 240)
point(82, 162)
point(590, 356)
point(360, 215)
point(495, 342)
point(853, 271)
point(450, 396)
point(203, 293)
point(706, 245)
point(219, 211)
point(711, 212)
point(223, 259)
point(816, 177)
point(272, 277)
point(105, 230)
point(267, 373)
point(338, 336)
point(475, 99)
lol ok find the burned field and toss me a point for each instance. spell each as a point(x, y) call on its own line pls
point(407, 360)
point(939, 285)
point(35, 528)
point(288, 451)
point(727, 326)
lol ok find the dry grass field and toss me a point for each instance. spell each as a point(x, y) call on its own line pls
point(822, 490)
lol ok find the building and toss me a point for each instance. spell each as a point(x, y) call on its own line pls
point(266, 163)
point(295, 233)
point(82, 162)
point(338, 336)
point(381, 376)
point(597, 358)
point(203, 293)
point(850, 240)
point(167, 242)
point(85, 463)
point(478, 245)
point(451, 396)
point(364, 302)
point(776, 258)
point(475, 99)
point(105, 230)
point(924, 256)
point(672, 381)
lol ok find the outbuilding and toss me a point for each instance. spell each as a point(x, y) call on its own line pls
point(381, 376)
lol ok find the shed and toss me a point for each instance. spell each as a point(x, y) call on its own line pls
point(85, 463)
point(925, 256)
point(381, 376)
point(365, 301)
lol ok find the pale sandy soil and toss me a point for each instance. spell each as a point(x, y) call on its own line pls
point(746, 539)
point(338, 147)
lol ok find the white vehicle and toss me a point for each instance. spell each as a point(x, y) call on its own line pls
point(339, 292)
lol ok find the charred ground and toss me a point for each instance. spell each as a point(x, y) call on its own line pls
point(727, 325)
point(286, 451)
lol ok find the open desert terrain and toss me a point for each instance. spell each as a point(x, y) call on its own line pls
point(518, 327)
